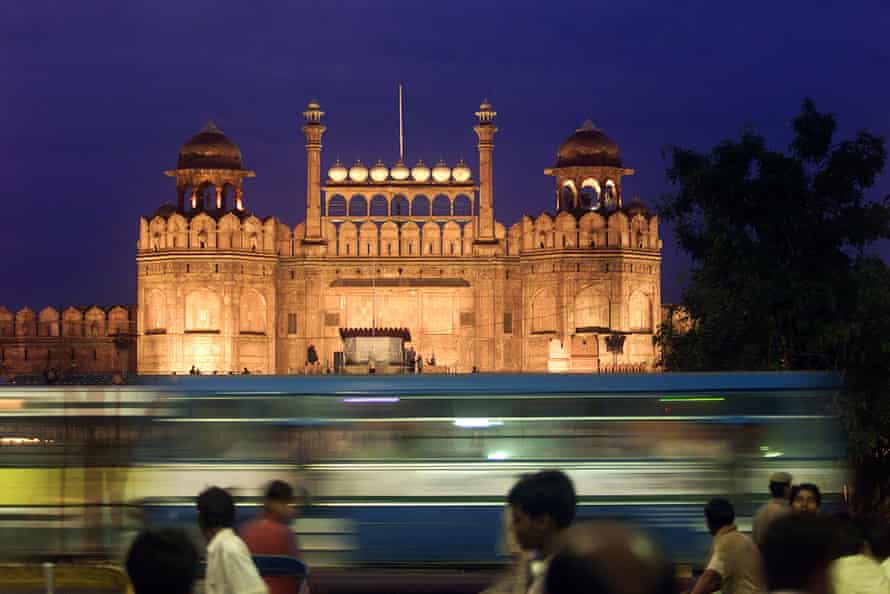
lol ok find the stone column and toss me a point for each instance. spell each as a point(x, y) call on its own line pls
point(485, 130)
point(313, 129)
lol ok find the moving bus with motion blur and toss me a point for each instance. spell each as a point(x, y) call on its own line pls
point(405, 471)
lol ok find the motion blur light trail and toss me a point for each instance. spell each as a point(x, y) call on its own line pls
point(404, 472)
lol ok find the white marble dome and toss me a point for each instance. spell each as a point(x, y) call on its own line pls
point(358, 172)
point(379, 172)
point(338, 172)
point(420, 172)
point(461, 172)
point(441, 172)
point(399, 171)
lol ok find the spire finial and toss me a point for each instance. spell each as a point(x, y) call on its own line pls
point(401, 122)
point(486, 112)
point(210, 126)
point(313, 112)
point(587, 126)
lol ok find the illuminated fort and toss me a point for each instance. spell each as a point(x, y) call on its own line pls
point(409, 251)
point(407, 248)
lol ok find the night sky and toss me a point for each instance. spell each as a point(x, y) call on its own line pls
point(97, 97)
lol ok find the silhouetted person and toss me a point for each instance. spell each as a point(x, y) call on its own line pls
point(778, 505)
point(270, 533)
point(607, 558)
point(410, 357)
point(854, 569)
point(312, 359)
point(246, 371)
point(193, 371)
point(796, 554)
point(542, 505)
point(162, 562)
point(877, 533)
point(230, 568)
point(734, 564)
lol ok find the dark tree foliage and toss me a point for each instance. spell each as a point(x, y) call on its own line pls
point(781, 274)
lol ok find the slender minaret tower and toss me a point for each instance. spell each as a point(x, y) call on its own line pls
point(314, 130)
point(485, 130)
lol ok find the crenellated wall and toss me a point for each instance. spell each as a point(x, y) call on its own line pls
point(92, 339)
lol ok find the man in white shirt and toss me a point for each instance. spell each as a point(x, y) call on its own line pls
point(734, 565)
point(230, 568)
point(855, 570)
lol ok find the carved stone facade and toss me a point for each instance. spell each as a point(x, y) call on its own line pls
point(413, 247)
point(71, 339)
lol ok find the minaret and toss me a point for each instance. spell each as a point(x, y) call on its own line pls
point(314, 130)
point(485, 130)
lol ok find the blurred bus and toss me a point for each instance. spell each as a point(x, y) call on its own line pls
point(411, 470)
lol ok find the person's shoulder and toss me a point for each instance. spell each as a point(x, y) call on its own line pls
point(734, 541)
point(234, 544)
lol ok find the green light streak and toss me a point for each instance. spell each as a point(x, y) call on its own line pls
point(693, 399)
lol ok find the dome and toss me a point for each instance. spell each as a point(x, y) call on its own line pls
point(588, 147)
point(420, 172)
point(399, 171)
point(441, 172)
point(461, 172)
point(379, 172)
point(358, 172)
point(338, 172)
point(637, 208)
point(165, 210)
point(209, 149)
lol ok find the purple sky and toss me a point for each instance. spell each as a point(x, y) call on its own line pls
point(97, 97)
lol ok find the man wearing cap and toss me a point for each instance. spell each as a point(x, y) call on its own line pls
point(778, 505)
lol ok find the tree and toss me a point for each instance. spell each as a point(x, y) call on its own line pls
point(782, 277)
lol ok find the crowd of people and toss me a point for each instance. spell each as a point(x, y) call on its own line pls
point(794, 548)
point(166, 560)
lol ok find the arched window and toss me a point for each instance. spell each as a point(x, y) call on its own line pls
point(228, 196)
point(202, 311)
point(610, 195)
point(420, 206)
point(252, 318)
point(207, 196)
point(379, 207)
point(399, 206)
point(543, 311)
point(591, 308)
point(432, 239)
point(589, 198)
point(441, 206)
point(463, 206)
point(567, 196)
point(640, 312)
point(410, 239)
point(337, 206)
point(187, 195)
point(358, 206)
point(95, 321)
point(347, 239)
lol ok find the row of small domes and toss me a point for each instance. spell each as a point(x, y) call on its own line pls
point(440, 173)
